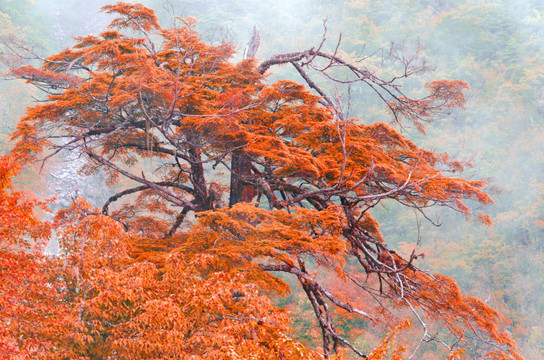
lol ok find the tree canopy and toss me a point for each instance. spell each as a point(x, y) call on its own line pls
point(281, 182)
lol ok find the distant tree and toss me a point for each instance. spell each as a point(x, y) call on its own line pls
point(280, 179)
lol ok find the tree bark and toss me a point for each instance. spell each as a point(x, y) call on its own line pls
point(240, 190)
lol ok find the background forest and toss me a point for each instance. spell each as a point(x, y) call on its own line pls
point(496, 46)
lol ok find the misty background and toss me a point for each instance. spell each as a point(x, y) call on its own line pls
point(496, 46)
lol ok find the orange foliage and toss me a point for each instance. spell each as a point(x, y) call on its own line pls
point(98, 301)
point(28, 308)
point(388, 349)
point(141, 282)
point(135, 310)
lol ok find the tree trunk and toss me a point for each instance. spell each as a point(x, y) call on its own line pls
point(240, 190)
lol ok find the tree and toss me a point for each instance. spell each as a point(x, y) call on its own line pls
point(280, 179)
point(132, 309)
point(97, 301)
point(26, 304)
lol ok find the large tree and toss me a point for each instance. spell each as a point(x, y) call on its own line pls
point(281, 181)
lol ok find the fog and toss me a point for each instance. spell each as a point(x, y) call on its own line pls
point(495, 46)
